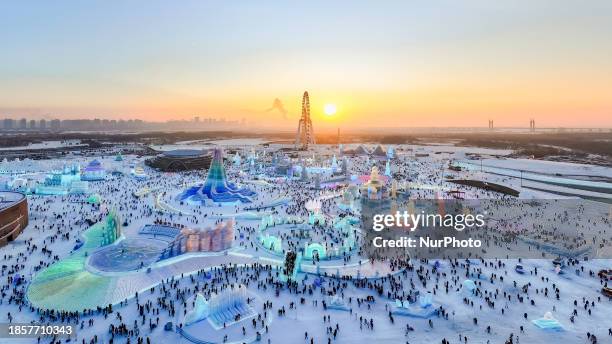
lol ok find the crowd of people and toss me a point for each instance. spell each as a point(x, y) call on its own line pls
point(502, 304)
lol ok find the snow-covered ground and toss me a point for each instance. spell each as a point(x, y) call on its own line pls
point(549, 167)
point(503, 304)
point(46, 145)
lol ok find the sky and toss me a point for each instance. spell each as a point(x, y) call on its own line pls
point(382, 63)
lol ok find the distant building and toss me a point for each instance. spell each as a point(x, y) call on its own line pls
point(9, 123)
point(13, 215)
point(180, 160)
point(23, 124)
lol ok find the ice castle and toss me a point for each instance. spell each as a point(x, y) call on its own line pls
point(63, 182)
point(94, 171)
point(216, 187)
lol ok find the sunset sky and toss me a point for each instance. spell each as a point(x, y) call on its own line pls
point(384, 63)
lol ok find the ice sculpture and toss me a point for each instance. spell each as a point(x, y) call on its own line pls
point(63, 182)
point(272, 243)
point(316, 218)
point(469, 285)
point(214, 239)
point(216, 187)
point(346, 202)
point(315, 250)
point(334, 164)
point(337, 303)
point(94, 199)
point(200, 311)
point(229, 305)
point(237, 159)
point(548, 322)
point(425, 308)
point(374, 187)
point(344, 168)
point(390, 153)
point(425, 300)
point(111, 229)
point(94, 171)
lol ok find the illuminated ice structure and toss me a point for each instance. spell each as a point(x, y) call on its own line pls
point(347, 201)
point(64, 182)
point(283, 166)
point(375, 187)
point(326, 250)
point(201, 240)
point(271, 242)
point(237, 159)
point(251, 159)
point(139, 173)
point(337, 303)
point(93, 171)
point(387, 169)
point(468, 286)
point(20, 184)
point(200, 311)
point(216, 187)
point(94, 199)
point(303, 172)
point(111, 230)
point(423, 308)
point(548, 323)
point(344, 168)
point(390, 153)
point(227, 307)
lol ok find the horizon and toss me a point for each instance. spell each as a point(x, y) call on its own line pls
point(404, 65)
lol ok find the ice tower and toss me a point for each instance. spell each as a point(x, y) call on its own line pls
point(216, 187)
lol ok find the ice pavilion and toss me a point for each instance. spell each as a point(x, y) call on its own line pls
point(216, 187)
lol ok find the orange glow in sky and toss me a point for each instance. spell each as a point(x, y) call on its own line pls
point(407, 64)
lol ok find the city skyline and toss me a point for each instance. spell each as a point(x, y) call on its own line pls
point(404, 64)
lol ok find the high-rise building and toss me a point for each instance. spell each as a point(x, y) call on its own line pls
point(32, 124)
point(23, 124)
point(8, 123)
point(42, 124)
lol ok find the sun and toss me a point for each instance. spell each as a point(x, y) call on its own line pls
point(330, 109)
